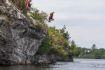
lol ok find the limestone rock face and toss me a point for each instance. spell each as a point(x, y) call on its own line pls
point(19, 38)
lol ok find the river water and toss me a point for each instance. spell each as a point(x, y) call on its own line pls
point(78, 64)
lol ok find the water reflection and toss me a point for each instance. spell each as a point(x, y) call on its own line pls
point(26, 67)
point(79, 64)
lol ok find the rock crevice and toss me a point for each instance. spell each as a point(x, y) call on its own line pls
point(19, 38)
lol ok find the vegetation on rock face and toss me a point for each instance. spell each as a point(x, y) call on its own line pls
point(20, 4)
point(40, 20)
point(38, 16)
point(56, 42)
point(29, 37)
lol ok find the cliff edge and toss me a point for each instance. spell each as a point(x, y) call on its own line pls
point(19, 38)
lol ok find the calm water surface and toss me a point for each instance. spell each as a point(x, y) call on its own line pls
point(78, 64)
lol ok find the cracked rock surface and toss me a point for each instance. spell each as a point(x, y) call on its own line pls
point(19, 38)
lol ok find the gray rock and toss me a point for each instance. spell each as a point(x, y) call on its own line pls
point(19, 39)
point(44, 59)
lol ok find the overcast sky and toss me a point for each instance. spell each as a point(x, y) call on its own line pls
point(84, 19)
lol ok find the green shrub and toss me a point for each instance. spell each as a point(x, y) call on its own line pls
point(55, 43)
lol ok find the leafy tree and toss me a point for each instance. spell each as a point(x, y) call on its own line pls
point(74, 49)
point(57, 44)
point(45, 46)
point(93, 47)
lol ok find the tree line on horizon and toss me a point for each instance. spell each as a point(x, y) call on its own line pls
point(90, 53)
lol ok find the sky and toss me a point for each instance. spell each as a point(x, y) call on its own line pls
point(84, 19)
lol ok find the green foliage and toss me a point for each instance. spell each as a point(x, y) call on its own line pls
point(45, 46)
point(93, 47)
point(23, 7)
point(20, 4)
point(56, 43)
point(40, 17)
point(74, 49)
point(92, 52)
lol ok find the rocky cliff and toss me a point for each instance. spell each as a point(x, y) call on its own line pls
point(19, 38)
